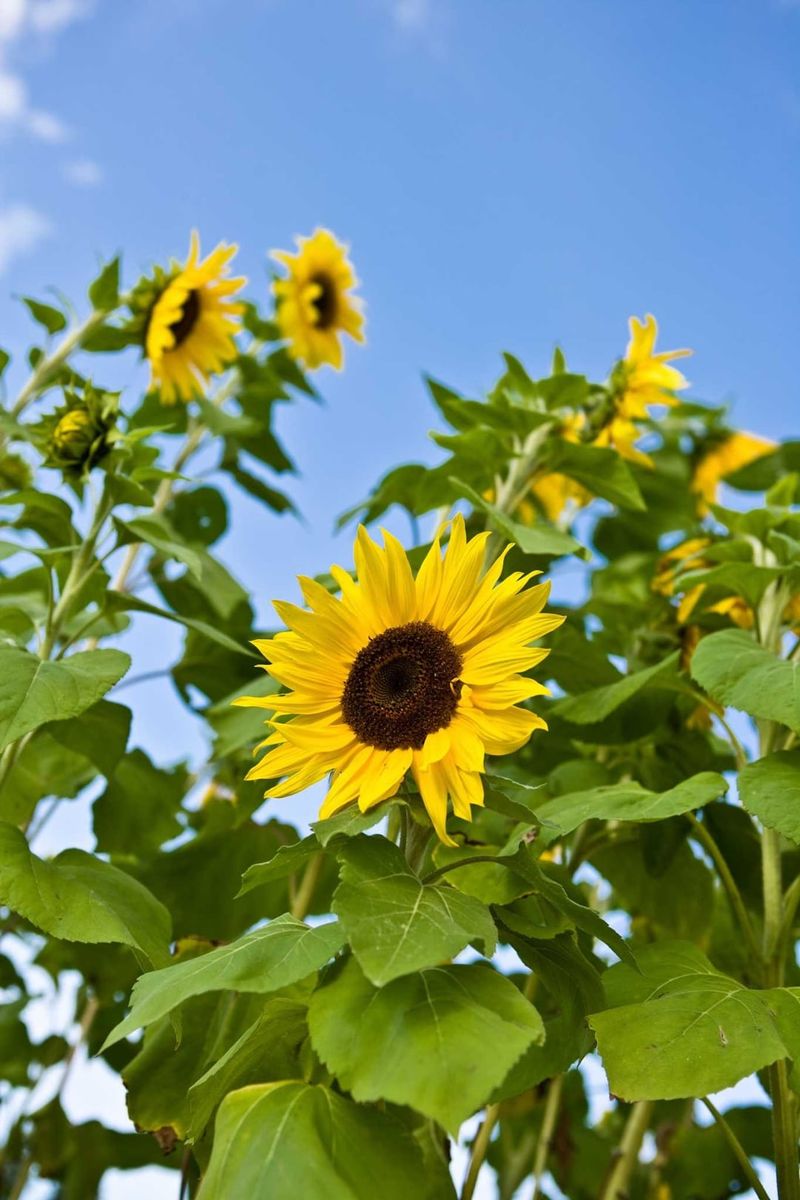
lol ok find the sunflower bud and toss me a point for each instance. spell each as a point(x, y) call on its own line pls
point(79, 434)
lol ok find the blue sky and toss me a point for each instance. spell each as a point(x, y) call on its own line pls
point(510, 174)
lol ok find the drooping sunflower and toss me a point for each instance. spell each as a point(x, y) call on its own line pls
point(644, 377)
point(313, 302)
point(192, 323)
point(733, 452)
point(404, 674)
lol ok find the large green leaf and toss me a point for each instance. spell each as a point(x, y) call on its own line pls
point(80, 898)
point(395, 923)
point(770, 789)
point(590, 707)
point(33, 692)
point(289, 1139)
point(270, 958)
point(627, 802)
point(269, 1049)
point(100, 734)
point(42, 768)
point(138, 809)
point(738, 672)
point(681, 1028)
point(439, 1040)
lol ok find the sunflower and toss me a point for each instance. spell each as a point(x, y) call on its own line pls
point(313, 304)
point(192, 324)
point(404, 674)
point(735, 451)
point(644, 377)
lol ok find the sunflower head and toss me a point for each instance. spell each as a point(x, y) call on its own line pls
point(404, 674)
point(81, 432)
point(314, 304)
point(187, 321)
point(644, 377)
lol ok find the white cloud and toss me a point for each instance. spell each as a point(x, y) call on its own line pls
point(84, 172)
point(49, 16)
point(22, 228)
point(20, 22)
point(46, 126)
point(13, 97)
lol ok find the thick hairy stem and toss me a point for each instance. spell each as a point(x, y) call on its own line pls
point(627, 1153)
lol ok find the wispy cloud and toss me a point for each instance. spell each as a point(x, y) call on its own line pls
point(22, 21)
point(22, 228)
point(83, 172)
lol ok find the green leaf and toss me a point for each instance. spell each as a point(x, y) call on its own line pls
point(104, 290)
point(590, 707)
point(198, 880)
point(287, 861)
point(676, 896)
point(573, 986)
point(627, 802)
point(99, 734)
point(540, 539)
point(738, 672)
point(396, 924)
point(582, 917)
point(270, 958)
point(461, 1029)
point(157, 532)
point(125, 602)
point(33, 692)
point(770, 790)
point(347, 823)
point(268, 1049)
point(80, 898)
point(600, 470)
point(681, 1028)
point(42, 768)
point(52, 318)
point(292, 1139)
point(137, 811)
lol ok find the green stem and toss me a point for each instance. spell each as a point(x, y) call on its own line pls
point(305, 893)
point(738, 1150)
point(627, 1153)
point(479, 1150)
point(784, 1131)
point(21, 1178)
point(549, 1120)
point(790, 903)
point(728, 882)
point(773, 890)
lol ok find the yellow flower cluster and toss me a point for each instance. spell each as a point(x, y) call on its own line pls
point(192, 323)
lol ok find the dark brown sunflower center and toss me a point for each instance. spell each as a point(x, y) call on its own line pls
point(186, 322)
point(324, 303)
point(402, 686)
